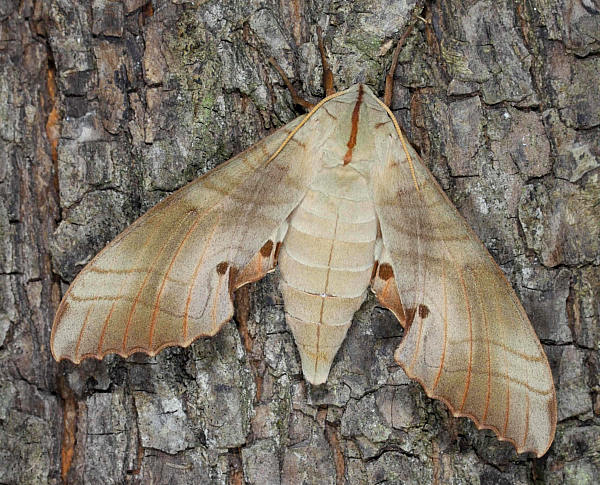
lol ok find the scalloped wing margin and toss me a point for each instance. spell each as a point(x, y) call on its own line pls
point(469, 342)
point(168, 278)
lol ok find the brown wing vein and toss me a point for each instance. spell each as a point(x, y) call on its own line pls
point(508, 381)
point(130, 299)
point(192, 281)
point(145, 282)
point(526, 420)
point(507, 377)
point(85, 321)
point(421, 276)
point(514, 380)
point(417, 346)
point(486, 327)
point(458, 269)
point(215, 302)
point(468, 305)
point(530, 358)
point(165, 277)
point(154, 216)
point(506, 416)
point(140, 255)
point(445, 316)
point(489, 356)
point(126, 271)
point(541, 357)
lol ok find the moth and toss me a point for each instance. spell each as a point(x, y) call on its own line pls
point(341, 202)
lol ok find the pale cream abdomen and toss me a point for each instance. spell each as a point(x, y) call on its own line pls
point(326, 261)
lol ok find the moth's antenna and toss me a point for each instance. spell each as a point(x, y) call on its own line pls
point(296, 98)
point(327, 74)
point(389, 79)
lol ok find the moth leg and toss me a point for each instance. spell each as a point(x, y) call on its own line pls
point(327, 74)
point(295, 96)
point(389, 79)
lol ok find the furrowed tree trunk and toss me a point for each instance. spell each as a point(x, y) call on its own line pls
point(108, 106)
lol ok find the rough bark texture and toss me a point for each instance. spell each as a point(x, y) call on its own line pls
point(108, 106)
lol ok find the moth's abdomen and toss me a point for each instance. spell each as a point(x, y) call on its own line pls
point(326, 262)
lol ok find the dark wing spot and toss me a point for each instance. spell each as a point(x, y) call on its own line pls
point(267, 249)
point(423, 311)
point(385, 272)
point(222, 267)
point(409, 313)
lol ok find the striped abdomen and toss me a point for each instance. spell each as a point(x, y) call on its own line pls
point(326, 261)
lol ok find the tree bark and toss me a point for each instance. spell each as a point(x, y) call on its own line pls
point(108, 106)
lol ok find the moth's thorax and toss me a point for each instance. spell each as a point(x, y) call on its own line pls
point(352, 141)
point(326, 261)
